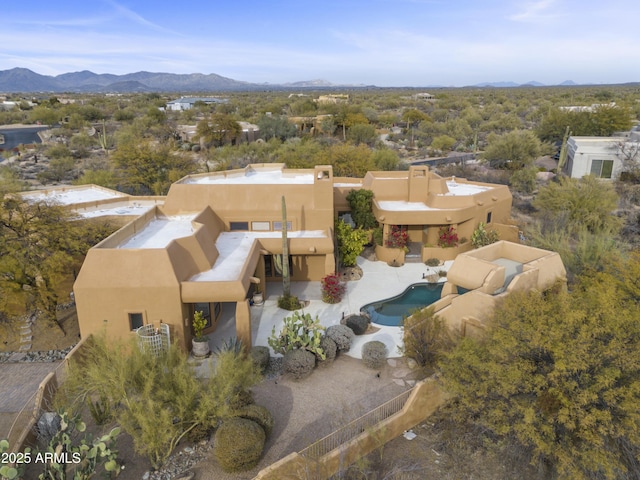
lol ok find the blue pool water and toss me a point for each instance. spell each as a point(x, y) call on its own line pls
point(391, 312)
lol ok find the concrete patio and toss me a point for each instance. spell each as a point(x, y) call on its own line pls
point(379, 281)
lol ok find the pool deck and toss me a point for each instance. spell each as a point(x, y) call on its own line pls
point(379, 281)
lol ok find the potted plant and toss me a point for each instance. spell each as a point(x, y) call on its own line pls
point(199, 342)
point(258, 297)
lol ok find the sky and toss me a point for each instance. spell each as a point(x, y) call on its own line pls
point(388, 43)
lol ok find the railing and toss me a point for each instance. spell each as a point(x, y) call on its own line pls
point(356, 427)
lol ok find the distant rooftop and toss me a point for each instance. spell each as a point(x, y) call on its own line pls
point(73, 195)
point(401, 206)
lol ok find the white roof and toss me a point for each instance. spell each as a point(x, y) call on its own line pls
point(255, 177)
point(233, 249)
point(399, 205)
point(462, 189)
point(160, 231)
point(121, 210)
point(69, 196)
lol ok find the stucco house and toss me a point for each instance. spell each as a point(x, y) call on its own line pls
point(187, 103)
point(216, 238)
point(603, 157)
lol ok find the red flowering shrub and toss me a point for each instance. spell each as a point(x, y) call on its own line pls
point(398, 238)
point(447, 237)
point(333, 288)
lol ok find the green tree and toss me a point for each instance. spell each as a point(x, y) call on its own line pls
point(361, 204)
point(385, 159)
point(39, 245)
point(443, 143)
point(580, 203)
point(351, 243)
point(413, 117)
point(276, 127)
point(347, 160)
point(513, 150)
point(219, 129)
point(361, 133)
point(148, 168)
point(559, 374)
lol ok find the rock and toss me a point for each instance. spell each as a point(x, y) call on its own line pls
point(411, 363)
point(146, 475)
point(392, 362)
point(186, 476)
point(48, 425)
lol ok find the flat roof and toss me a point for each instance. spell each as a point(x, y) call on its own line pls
point(400, 206)
point(72, 195)
point(134, 209)
point(160, 231)
point(233, 249)
point(464, 189)
point(252, 177)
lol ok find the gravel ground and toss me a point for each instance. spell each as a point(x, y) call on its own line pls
point(309, 409)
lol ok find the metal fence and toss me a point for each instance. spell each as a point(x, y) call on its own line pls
point(356, 427)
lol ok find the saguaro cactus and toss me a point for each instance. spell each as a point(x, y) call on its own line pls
point(286, 279)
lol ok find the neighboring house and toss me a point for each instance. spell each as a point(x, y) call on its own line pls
point(217, 238)
point(332, 98)
point(604, 157)
point(250, 132)
point(186, 103)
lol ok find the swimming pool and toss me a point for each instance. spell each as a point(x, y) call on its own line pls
point(391, 312)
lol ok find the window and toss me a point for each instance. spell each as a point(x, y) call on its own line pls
point(273, 265)
point(238, 226)
point(488, 217)
point(278, 226)
point(136, 320)
point(602, 168)
point(260, 226)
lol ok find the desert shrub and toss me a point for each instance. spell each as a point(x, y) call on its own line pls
point(298, 363)
point(136, 383)
point(426, 337)
point(289, 302)
point(374, 354)
point(524, 180)
point(333, 288)
point(481, 236)
point(260, 356)
point(330, 350)
point(259, 414)
point(342, 335)
point(299, 331)
point(238, 444)
point(358, 323)
point(378, 236)
point(100, 410)
point(432, 262)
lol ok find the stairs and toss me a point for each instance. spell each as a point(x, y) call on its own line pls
point(414, 255)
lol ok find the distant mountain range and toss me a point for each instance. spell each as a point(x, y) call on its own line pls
point(25, 80)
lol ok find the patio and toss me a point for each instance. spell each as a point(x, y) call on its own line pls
point(379, 281)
